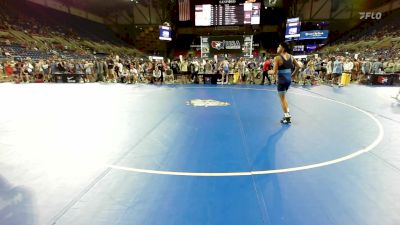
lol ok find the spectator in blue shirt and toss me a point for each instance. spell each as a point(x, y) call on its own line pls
point(337, 70)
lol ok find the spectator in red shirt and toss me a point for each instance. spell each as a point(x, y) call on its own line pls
point(267, 63)
point(9, 70)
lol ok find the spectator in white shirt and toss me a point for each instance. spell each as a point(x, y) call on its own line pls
point(156, 74)
point(133, 75)
point(348, 66)
point(184, 69)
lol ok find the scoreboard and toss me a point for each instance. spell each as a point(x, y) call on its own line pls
point(293, 26)
point(227, 14)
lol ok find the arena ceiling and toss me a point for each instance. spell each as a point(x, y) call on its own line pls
point(104, 7)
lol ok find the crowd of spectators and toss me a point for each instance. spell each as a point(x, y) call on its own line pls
point(331, 68)
point(326, 68)
point(371, 48)
point(25, 62)
point(21, 61)
point(133, 70)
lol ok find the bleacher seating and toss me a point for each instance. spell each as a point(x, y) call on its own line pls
point(376, 35)
point(33, 35)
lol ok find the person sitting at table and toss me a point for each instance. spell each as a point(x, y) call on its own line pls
point(156, 75)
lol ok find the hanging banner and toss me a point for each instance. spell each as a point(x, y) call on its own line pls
point(248, 46)
point(314, 34)
point(205, 47)
point(226, 44)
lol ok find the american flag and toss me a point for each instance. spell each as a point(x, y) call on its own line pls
point(184, 10)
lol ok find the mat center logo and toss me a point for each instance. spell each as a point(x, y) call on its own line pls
point(206, 103)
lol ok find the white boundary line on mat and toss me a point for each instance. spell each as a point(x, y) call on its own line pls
point(377, 140)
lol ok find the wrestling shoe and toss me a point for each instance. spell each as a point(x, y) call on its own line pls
point(286, 120)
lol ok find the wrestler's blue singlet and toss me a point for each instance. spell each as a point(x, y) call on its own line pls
point(285, 74)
